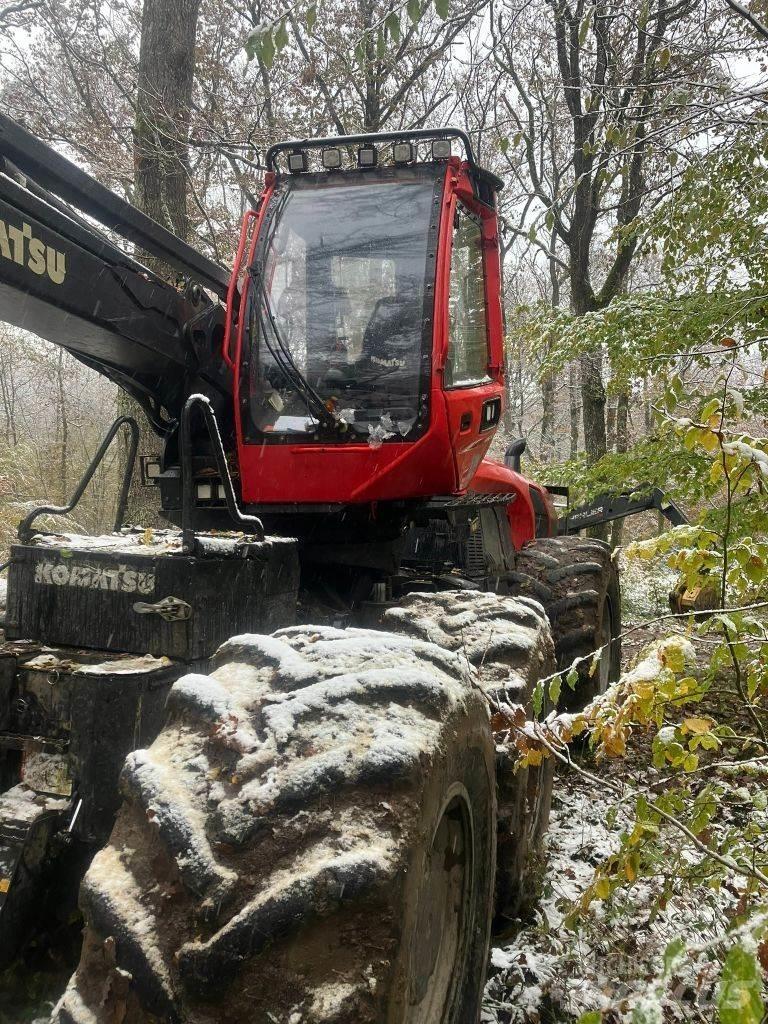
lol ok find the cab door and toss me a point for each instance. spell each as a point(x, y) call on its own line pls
point(471, 383)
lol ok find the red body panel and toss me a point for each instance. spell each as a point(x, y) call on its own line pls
point(232, 291)
point(495, 478)
point(450, 457)
point(469, 443)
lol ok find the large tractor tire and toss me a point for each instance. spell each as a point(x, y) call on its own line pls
point(577, 582)
point(509, 644)
point(311, 839)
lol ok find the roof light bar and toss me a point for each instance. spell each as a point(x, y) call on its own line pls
point(366, 142)
point(331, 159)
point(367, 156)
point(404, 152)
point(298, 161)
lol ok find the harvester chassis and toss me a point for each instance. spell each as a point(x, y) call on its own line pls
point(316, 824)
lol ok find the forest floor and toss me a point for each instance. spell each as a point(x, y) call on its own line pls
point(563, 964)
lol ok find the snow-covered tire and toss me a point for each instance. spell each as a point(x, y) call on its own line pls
point(309, 840)
point(508, 642)
point(577, 582)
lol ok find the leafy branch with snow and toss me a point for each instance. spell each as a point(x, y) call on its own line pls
point(689, 720)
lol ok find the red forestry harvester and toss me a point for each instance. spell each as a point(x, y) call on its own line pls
point(316, 824)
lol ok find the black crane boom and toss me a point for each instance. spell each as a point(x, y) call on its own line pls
point(608, 507)
point(62, 178)
point(66, 281)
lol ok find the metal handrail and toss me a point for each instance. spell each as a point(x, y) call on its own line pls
point(188, 540)
point(25, 530)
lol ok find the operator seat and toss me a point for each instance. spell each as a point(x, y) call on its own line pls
point(392, 339)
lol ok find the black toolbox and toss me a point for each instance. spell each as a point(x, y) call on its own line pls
point(136, 591)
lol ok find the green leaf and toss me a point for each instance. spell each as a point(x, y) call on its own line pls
point(392, 25)
point(360, 53)
point(381, 44)
point(664, 57)
point(504, 145)
point(739, 999)
point(690, 763)
point(443, 8)
point(712, 407)
point(672, 954)
point(414, 11)
point(572, 678)
point(537, 698)
point(252, 45)
point(311, 18)
point(554, 690)
point(267, 50)
point(593, 1017)
point(603, 888)
point(281, 36)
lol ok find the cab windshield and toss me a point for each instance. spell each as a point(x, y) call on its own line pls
point(337, 311)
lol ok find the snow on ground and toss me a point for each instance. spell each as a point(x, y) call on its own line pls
point(549, 973)
point(539, 964)
point(553, 970)
point(645, 587)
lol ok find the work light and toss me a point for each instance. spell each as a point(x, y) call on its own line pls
point(441, 149)
point(297, 161)
point(331, 159)
point(403, 152)
point(367, 156)
point(150, 470)
point(204, 492)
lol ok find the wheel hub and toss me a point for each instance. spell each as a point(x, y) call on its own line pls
point(442, 924)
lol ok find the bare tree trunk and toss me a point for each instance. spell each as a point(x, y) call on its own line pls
point(610, 425)
point(622, 445)
point(8, 391)
point(574, 392)
point(519, 409)
point(547, 418)
point(160, 133)
point(622, 422)
point(547, 381)
point(372, 93)
point(593, 405)
point(163, 99)
point(63, 428)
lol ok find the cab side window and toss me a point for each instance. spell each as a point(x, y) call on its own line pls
point(468, 328)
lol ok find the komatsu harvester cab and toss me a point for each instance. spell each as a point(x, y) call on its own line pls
point(367, 352)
